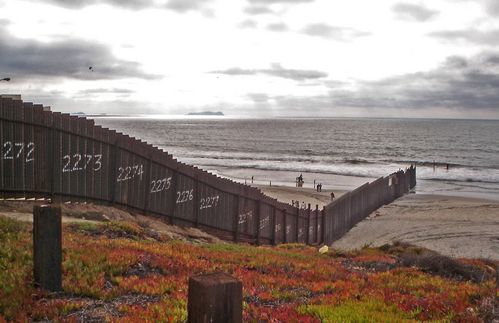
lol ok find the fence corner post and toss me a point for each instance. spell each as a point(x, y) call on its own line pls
point(47, 247)
point(216, 297)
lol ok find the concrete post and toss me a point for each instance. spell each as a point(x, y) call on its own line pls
point(47, 247)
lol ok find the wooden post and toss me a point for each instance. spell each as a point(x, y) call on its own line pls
point(47, 247)
point(216, 297)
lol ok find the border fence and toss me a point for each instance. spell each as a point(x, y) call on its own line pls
point(65, 158)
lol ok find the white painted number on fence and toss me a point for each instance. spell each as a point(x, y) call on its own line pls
point(243, 218)
point(78, 162)
point(15, 151)
point(264, 222)
point(184, 196)
point(130, 172)
point(207, 202)
point(160, 185)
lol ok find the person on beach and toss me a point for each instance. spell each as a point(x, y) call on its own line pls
point(299, 181)
point(303, 206)
point(332, 196)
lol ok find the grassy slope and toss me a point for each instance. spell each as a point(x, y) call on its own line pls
point(120, 271)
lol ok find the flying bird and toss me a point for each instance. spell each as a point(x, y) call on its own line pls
point(90, 68)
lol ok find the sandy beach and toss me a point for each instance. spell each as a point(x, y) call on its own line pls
point(288, 194)
point(454, 226)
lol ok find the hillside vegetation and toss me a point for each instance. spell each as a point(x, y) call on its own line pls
point(121, 271)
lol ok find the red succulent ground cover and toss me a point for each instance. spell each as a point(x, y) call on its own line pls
point(120, 272)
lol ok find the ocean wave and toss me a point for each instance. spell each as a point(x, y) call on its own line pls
point(356, 168)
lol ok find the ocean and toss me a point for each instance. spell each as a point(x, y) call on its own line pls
point(453, 157)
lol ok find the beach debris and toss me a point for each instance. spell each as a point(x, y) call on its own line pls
point(324, 249)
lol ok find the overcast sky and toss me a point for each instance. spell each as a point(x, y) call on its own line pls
point(384, 58)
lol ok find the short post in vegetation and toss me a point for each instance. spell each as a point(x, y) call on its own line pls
point(216, 297)
point(47, 247)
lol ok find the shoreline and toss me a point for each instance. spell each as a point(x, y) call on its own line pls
point(262, 178)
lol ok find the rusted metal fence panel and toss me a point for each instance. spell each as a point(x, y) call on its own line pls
point(67, 158)
point(279, 225)
point(8, 144)
point(266, 215)
point(29, 168)
point(160, 188)
point(247, 218)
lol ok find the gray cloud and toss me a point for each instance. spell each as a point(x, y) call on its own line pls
point(278, 71)
point(183, 6)
point(333, 32)
point(277, 27)
point(474, 36)
point(247, 24)
point(25, 59)
point(407, 11)
point(257, 10)
point(107, 90)
point(180, 6)
point(467, 85)
point(278, 1)
point(491, 7)
point(77, 4)
point(259, 97)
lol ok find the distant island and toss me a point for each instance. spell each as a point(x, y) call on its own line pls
point(206, 113)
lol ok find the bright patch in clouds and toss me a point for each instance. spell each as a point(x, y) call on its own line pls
point(254, 57)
